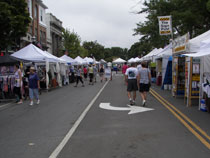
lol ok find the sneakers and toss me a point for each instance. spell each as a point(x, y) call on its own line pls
point(20, 102)
point(143, 103)
point(131, 101)
point(38, 101)
point(31, 103)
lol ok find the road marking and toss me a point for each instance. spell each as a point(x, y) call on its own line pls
point(184, 116)
point(57, 151)
point(181, 120)
point(132, 109)
point(4, 105)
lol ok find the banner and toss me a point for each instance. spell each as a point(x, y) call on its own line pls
point(180, 44)
point(165, 27)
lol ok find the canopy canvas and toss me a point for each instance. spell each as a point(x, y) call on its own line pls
point(204, 49)
point(80, 61)
point(69, 60)
point(166, 52)
point(119, 61)
point(32, 53)
point(195, 43)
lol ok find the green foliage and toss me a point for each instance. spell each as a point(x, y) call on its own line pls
point(14, 19)
point(94, 49)
point(191, 16)
point(139, 49)
point(71, 42)
point(115, 52)
point(208, 5)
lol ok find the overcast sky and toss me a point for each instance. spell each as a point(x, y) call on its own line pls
point(110, 22)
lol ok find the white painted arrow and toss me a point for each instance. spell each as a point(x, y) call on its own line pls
point(132, 109)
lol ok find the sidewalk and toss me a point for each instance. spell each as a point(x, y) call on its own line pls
point(201, 118)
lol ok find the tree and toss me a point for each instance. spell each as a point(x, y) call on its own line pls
point(15, 20)
point(190, 16)
point(71, 42)
point(94, 49)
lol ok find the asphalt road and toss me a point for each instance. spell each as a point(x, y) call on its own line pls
point(34, 132)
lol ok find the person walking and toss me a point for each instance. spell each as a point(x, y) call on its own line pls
point(124, 68)
point(18, 83)
point(108, 72)
point(144, 80)
point(95, 71)
point(101, 73)
point(90, 72)
point(85, 72)
point(34, 86)
point(79, 76)
point(131, 75)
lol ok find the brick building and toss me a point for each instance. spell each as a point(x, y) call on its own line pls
point(37, 31)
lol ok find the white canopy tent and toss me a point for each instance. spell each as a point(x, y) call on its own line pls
point(80, 61)
point(119, 61)
point(131, 60)
point(195, 43)
point(55, 57)
point(69, 60)
point(88, 60)
point(102, 61)
point(32, 53)
point(152, 55)
point(166, 52)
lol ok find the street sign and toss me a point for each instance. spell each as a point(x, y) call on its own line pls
point(132, 109)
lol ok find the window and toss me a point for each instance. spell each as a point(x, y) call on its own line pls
point(36, 33)
point(41, 17)
point(36, 12)
point(30, 8)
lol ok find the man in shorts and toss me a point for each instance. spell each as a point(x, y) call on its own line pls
point(131, 75)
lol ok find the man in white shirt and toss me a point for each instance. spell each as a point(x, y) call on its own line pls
point(131, 75)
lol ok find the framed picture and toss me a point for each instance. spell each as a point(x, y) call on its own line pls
point(196, 68)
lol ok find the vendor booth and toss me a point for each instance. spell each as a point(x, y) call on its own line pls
point(180, 66)
point(203, 54)
point(7, 78)
point(164, 67)
point(44, 63)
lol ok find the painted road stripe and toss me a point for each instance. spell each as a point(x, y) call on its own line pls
point(182, 121)
point(184, 116)
point(76, 124)
point(4, 105)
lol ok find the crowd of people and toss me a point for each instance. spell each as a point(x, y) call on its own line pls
point(137, 77)
point(78, 73)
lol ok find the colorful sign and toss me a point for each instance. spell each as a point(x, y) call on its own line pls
point(165, 27)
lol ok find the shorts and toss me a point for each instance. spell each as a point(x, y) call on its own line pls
point(143, 87)
point(132, 85)
point(101, 74)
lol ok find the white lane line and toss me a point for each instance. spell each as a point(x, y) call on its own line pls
point(4, 105)
point(76, 124)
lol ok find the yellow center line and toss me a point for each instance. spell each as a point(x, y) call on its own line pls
point(184, 116)
point(182, 121)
